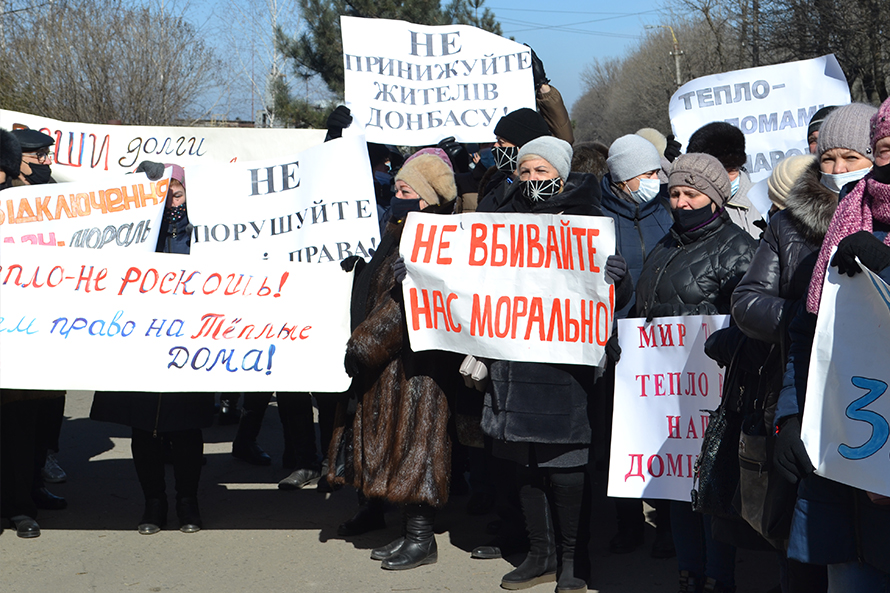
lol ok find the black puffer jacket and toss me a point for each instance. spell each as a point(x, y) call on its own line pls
point(694, 273)
point(781, 270)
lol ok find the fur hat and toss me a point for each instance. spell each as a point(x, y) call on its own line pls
point(553, 150)
point(521, 126)
point(10, 154)
point(430, 177)
point(783, 177)
point(655, 137)
point(880, 123)
point(847, 127)
point(704, 173)
point(722, 140)
point(632, 155)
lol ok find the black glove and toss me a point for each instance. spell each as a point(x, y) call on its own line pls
point(351, 364)
point(790, 456)
point(616, 267)
point(613, 349)
point(338, 119)
point(348, 263)
point(538, 69)
point(874, 254)
point(399, 269)
point(154, 170)
point(457, 154)
point(672, 150)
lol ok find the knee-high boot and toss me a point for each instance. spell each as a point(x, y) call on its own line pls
point(420, 540)
point(539, 565)
point(568, 498)
point(245, 446)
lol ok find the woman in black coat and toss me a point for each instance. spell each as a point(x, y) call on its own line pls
point(159, 419)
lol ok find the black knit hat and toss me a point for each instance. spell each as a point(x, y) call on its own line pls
point(722, 140)
point(10, 154)
point(521, 126)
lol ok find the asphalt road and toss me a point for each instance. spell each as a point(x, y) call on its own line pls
point(259, 538)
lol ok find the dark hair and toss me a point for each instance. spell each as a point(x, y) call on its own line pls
point(590, 157)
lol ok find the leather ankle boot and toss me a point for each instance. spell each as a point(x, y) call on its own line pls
point(419, 547)
point(395, 546)
point(245, 446)
point(568, 496)
point(189, 516)
point(154, 518)
point(539, 565)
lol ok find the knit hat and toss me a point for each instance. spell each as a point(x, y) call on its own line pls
point(10, 154)
point(433, 151)
point(377, 153)
point(880, 123)
point(521, 126)
point(32, 140)
point(704, 173)
point(722, 140)
point(178, 173)
point(847, 127)
point(819, 118)
point(630, 156)
point(783, 177)
point(430, 177)
point(655, 137)
point(553, 150)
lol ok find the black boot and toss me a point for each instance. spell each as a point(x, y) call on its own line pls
point(689, 583)
point(539, 565)
point(420, 540)
point(228, 409)
point(245, 446)
point(395, 546)
point(369, 517)
point(155, 516)
point(189, 515)
point(568, 497)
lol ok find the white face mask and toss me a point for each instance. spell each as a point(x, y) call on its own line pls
point(835, 182)
point(648, 189)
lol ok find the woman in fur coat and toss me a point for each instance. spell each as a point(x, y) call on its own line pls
point(397, 447)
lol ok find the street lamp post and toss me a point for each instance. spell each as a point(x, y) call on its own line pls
point(677, 51)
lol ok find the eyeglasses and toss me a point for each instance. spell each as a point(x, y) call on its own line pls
point(40, 155)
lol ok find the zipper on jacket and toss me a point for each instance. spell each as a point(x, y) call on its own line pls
point(154, 433)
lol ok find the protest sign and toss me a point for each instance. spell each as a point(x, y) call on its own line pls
point(523, 287)
point(664, 387)
point(119, 320)
point(85, 150)
point(106, 213)
point(772, 105)
point(317, 206)
point(846, 419)
point(415, 84)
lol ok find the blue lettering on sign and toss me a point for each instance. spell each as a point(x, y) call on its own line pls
point(880, 429)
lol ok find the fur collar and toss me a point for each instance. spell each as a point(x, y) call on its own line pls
point(810, 205)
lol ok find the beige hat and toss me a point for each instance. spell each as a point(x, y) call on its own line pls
point(782, 179)
point(655, 137)
point(430, 177)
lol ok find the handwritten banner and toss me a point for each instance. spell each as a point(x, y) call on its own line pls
point(846, 420)
point(664, 385)
point(111, 212)
point(317, 206)
point(772, 105)
point(415, 84)
point(85, 150)
point(524, 287)
point(100, 320)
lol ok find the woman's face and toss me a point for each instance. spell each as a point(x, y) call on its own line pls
point(842, 160)
point(633, 184)
point(536, 169)
point(687, 198)
point(176, 194)
point(882, 151)
point(406, 192)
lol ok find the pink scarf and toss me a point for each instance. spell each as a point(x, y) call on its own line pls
point(868, 201)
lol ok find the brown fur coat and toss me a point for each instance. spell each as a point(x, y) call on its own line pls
point(397, 446)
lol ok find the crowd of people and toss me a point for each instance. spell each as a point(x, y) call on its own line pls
point(414, 424)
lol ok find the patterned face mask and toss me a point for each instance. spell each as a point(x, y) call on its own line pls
point(539, 190)
point(505, 158)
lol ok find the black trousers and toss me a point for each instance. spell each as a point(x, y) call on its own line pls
point(18, 437)
point(188, 457)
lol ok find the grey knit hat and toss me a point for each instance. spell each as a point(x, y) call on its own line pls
point(701, 172)
point(553, 150)
point(847, 127)
point(632, 155)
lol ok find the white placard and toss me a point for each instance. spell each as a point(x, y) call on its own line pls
point(109, 212)
point(85, 150)
point(664, 385)
point(412, 84)
point(317, 206)
point(772, 105)
point(845, 424)
point(523, 287)
point(122, 320)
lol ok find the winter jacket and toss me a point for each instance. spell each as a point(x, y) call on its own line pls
point(742, 212)
point(553, 110)
point(694, 273)
point(638, 227)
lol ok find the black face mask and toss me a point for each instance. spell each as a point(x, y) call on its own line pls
point(881, 174)
point(688, 220)
point(505, 158)
point(400, 208)
point(40, 174)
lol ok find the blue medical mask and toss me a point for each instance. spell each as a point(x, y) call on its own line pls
point(734, 185)
point(835, 182)
point(648, 189)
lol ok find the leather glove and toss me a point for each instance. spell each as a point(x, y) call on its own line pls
point(871, 251)
point(154, 170)
point(672, 150)
point(616, 268)
point(348, 263)
point(613, 349)
point(475, 372)
point(338, 119)
point(351, 364)
point(457, 154)
point(538, 69)
point(790, 456)
point(399, 269)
